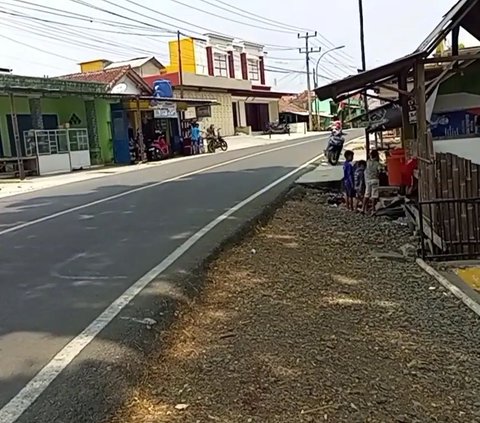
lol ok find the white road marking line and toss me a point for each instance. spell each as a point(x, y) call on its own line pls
point(156, 184)
point(33, 389)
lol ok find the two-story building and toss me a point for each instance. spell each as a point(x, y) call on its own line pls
point(230, 72)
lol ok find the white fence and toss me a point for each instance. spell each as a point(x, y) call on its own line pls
point(58, 150)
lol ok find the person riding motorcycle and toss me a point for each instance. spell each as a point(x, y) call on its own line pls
point(211, 137)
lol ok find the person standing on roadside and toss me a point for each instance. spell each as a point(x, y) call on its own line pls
point(372, 182)
point(349, 179)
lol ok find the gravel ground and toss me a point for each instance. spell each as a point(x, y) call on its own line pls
point(301, 322)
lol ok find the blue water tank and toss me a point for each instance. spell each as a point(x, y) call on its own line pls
point(162, 88)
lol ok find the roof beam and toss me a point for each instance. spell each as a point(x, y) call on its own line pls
point(456, 58)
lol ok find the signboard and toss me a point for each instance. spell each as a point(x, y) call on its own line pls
point(203, 111)
point(412, 111)
point(190, 113)
point(165, 110)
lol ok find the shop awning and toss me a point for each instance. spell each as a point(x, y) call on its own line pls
point(368, 78)
point(151, 100)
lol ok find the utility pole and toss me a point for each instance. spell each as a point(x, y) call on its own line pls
point(180, 67)
point(307, 51)
point(364, 68)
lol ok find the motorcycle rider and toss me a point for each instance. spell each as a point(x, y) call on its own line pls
point(211, 133)
point(211, 138)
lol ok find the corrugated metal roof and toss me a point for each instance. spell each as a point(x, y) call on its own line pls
point(134, 63)
point(357, 82)
point(455, 16)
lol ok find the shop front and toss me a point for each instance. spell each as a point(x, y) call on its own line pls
point(138, 122)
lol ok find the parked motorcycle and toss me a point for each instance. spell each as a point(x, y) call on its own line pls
point(277, 128)
point(132, 149)
point(216, 142)
point(335, 146)
point(158, 148)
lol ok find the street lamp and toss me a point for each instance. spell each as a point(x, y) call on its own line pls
point(315, 76)
point(321, 57)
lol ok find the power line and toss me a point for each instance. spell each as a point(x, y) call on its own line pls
point(249, 13)
point(280, 47)
point(70, 25)
point(71, 15)
point(72, 39)
point(38, 48)
point(252, 16)
point(249, 16)
point(229, 19)
point(284, 70)
point(110, 12)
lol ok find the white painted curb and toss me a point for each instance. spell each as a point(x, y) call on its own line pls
point(469, 302)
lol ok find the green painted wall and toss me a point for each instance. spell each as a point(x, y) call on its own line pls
point(467, 81)
point(64, 108)
point(104, 129)
point(323, 106)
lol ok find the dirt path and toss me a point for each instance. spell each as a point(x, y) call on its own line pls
point(301, 323)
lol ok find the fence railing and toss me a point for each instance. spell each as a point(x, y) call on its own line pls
point(450, 228)
point(41, 142)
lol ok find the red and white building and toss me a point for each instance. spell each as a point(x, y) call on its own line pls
point(228, 71)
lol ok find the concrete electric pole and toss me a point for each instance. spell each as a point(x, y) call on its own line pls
point(307, 51)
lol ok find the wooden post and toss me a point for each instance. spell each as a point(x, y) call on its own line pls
point(407, 127)
point(421, 105)
point(16, 135)
point(138, 123)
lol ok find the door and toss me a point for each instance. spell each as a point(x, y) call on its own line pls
point(257, 116)
point(25, 124)
point(121, 150)
point(235, 115)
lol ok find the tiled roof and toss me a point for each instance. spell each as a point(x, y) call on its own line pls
point(287, 104)
point(108, 77)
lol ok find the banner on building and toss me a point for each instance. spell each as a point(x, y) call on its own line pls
point(165, 110)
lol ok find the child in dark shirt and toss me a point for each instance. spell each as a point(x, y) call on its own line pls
point(349, 179)
point(359, 178)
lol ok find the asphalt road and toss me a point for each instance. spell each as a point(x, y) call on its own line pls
point(68, 252)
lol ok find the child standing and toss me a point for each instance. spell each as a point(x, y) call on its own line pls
point(195, 134)
point(372, 181)
point(349, 179)
point(360, 182)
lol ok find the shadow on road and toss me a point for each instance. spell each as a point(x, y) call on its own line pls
point(57, 276)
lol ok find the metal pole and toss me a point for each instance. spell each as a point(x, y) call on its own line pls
point(180, 67)
point(16, 135)
point(364, 68)
point(309, 88)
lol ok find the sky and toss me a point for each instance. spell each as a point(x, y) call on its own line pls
point(50, 37)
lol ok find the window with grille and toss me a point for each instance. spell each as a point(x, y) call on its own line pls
point(253, 70)
point(220, 64)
